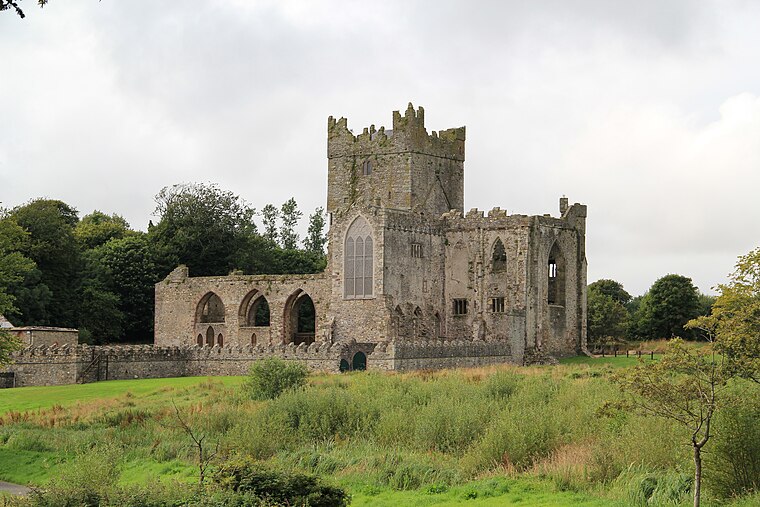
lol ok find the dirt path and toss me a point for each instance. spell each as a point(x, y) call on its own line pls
point(14, 489)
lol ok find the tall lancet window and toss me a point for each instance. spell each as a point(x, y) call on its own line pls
point(357, 260)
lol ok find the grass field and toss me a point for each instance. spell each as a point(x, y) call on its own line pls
point(33, 398)
point(500, 435)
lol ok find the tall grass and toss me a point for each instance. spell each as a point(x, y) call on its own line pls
point(399, 431)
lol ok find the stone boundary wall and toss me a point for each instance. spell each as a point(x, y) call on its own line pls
point(36, 366)
point(433, 355)
point(39, 366)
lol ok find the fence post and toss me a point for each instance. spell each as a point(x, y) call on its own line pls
point(651, 354)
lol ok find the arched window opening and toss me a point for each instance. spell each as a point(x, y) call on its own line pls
point(556, 277)
point(210, 337)
point(438, 326)
point(358, 260)
point(253, 339)
point(498, 256)
point(258, 313)
point(220, 340)
point(301, 319)
point(199, 340)
point(359, 362)
point(210, 309)
point(344, 366)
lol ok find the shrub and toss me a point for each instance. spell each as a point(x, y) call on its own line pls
point(244, 476)
point(268, 378)
point(733, 465)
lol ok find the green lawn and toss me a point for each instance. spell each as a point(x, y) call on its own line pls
point(33, 398)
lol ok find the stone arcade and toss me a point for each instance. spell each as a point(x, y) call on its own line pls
point(412, 281)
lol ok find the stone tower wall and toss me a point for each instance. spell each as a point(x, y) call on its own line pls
point(411, 169)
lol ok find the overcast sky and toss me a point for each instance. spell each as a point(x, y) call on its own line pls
point(646, 111)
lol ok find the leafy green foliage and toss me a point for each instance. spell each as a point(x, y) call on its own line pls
point(290, 215)
point(736, 316)
point(734, 459)
point(13, 267)
point(247, 476)
point(671, 302)
point(201, 226)
point(269, 378)
point(52, 246)
point(269, 216)
point(685, 386)
point(97, 229)
point(611, 289)
point(606, 314)
point(316, 239)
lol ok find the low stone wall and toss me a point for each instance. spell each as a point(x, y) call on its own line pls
point(43, 365)
point(67, 365)
point(435, 355)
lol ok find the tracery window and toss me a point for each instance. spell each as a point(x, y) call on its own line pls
point(358, 260)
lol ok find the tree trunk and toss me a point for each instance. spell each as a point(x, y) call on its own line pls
point(697, 474)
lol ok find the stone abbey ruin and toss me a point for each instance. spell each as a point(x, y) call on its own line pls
point(412, 281)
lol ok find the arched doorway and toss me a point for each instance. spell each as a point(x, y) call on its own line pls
point(344, 366)
point(359, 362)
point(300, 319)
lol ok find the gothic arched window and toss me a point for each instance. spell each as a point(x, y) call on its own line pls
point(358, 260)
point(499, 256)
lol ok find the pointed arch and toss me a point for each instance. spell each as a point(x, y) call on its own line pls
point(254, 310)
point(210, 309)
point(220, 340)
point(498, 256)
point(556, 274)
point(210, 337)
point(199, 340)
point(300, 319)
point(358, 255)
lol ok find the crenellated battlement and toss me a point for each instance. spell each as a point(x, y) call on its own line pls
point(407, 135)
point(571, 216)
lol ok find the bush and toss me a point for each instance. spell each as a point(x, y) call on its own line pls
point(733, 464)
point(268, 378)
point(247, 477)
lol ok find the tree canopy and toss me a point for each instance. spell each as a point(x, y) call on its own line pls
point(607, 317)
point(671, 302)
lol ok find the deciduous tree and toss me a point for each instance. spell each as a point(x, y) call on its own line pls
point(269, 216)
point(685, 386)
point(315, 238)
point(290, 215)
point(52, 246)
point(671, 302)
point(13, 267)
point(201, 226)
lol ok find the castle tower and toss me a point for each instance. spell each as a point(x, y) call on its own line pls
point(404, 168)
